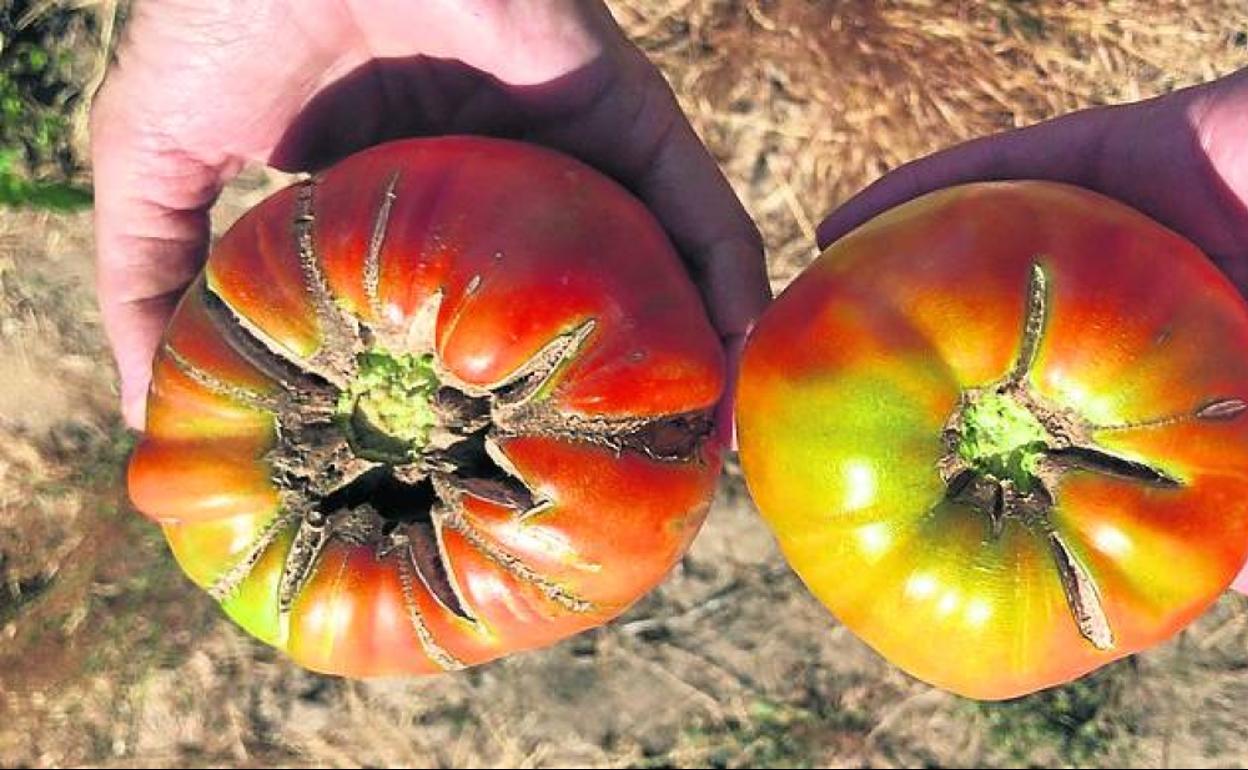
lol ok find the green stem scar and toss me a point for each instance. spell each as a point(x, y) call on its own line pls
point(1003, 439)
point(386, 410)
point(1007, 449)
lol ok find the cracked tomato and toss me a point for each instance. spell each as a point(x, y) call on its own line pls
point(448, 400)
point(1000, 432)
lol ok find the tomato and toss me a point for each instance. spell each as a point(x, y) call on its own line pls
point(999, 431)
point(448, 400)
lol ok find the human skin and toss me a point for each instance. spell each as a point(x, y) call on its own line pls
point(201, 88)
point(1181, 158)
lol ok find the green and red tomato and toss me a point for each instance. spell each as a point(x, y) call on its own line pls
point(1000, 432)
point(447, 400)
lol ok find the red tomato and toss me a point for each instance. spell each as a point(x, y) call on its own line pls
point(449, 400)
point(999, 431)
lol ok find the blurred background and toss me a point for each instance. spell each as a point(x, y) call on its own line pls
point(108, 656)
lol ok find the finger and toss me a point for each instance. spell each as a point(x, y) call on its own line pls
point(709, 226)
point(630, 126)
point(151, 228)
point(1140, 154)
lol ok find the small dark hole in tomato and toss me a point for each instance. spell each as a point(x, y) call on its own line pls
point(396, 501)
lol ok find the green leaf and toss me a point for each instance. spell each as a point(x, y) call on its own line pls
point(54, 196)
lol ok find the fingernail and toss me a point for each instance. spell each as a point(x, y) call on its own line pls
point(133, 408)
point(1241, 581)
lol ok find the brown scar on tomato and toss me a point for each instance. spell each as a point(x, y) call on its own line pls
point(1035, 316)
point(673, 438)
point(533, 378)
point(262, 352)
point(517, 409)
point(1082, 595)
point(451, 515)
point(340, 331)
point(227, 585)
point(311, 537)
point(275, 352)
point(1221, 410)
point(434, 651)
point(418, 335)
point(1214, 410)
point(1089, 458)
point(400, 507)
point(372, 257)
point(1016, 473)
point(426, 553)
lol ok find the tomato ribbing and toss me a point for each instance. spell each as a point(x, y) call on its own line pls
point(448, 400)
point(1000, 432)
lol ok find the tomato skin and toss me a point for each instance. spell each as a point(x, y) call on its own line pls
point(849, 379)
point(516, 245)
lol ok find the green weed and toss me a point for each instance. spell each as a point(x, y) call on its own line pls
point(42, 84)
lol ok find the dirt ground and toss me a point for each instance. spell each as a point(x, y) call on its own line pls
point(109, 657)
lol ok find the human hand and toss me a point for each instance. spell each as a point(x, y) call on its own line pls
point(1181, 158)
point(200, 88)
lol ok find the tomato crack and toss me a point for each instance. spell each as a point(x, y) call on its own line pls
point(1082, 595)
point(1213, 410)
point(433, 650)
point(227, 585)
point(379, 446)
point(372, 258)
point(311, 536)
point(1089, 458)
point(381, 509)
point(214, 384)
point(536, 376)
point(340, 331)
point(258, 350)
point(671, 438)
point(453, 517)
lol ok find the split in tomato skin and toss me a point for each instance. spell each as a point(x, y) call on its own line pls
point(448, 400)
point(1000, 432)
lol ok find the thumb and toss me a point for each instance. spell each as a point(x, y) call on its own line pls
point(151, 230)
point(1060, 150)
